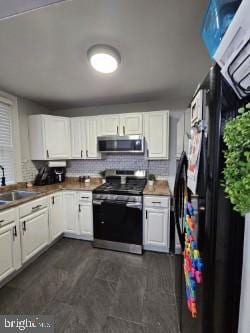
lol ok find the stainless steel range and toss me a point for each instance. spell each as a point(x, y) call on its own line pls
point(117, 211)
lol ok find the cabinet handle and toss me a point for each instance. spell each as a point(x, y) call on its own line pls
point(156, 202)
point(36, 207)
point(79, 208)
point(53, 200)
point(81, 153)
point(123, 130)
point(117, 129)
point(146, 214)
point(47, 153)
point(84, 197)
point(14, 232)
point(87, 153)
point(147, 153)
point(24, 225)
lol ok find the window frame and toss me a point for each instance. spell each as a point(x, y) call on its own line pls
point(12, 100)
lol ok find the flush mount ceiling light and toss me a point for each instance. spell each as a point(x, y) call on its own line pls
point(104, 58)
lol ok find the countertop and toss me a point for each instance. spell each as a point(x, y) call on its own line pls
point(160, 187)
point(69, 184)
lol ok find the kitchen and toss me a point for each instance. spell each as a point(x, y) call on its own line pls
point(95, 182)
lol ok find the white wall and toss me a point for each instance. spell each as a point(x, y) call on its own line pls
point(244, 317)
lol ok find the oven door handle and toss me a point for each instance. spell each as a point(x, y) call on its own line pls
point(137, 205)
point(97, 202)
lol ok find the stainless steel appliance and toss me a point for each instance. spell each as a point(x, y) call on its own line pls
point(121, 144)
point(117, 211)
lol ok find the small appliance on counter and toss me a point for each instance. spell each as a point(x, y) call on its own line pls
point(52, 174)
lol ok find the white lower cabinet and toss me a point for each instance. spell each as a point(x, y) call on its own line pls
point(85, 215)
point(156, 224)
point(10, 251)
point(85, 218)
point(34, 233)
point(56, 215)
point(78, 214)
point(70, 212)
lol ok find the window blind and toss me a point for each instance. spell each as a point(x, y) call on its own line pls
point(7, 157)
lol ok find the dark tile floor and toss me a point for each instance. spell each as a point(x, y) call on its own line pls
point(94, 290)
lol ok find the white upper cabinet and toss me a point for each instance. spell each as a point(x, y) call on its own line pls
point(78, 138)
point(131, 124)
point(92, 131)
point(49, 137)
point(110, 124)
point(156, 131)
point(123, 124)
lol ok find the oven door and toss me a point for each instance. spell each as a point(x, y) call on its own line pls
point(118, 221)
point(121, 144)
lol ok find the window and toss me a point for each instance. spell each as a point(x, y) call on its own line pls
point(7, 155)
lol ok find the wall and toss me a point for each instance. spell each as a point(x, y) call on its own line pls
point(162, 169)
point(26, 108)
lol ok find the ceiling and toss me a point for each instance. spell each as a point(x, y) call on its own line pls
point(43, 52)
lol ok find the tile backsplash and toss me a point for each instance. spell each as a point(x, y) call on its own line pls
point(122, 162)
point(30, 169)
point(77, 168)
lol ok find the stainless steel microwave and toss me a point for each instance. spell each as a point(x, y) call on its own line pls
point(133, 144)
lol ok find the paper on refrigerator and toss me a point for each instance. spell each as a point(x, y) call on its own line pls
point(194, 159)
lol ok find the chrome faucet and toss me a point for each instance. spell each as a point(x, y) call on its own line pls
point(3, 183)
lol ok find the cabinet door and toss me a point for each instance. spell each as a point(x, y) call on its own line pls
point(156, 125)
point(78, 138)
point(70, 212)
point(56, 215)
point(92, 131)
point(86, 220)
point(9, 236)
point(34, 234)
point(56, 137)
point(131, 124)
point(156, 227)
point(110, 125)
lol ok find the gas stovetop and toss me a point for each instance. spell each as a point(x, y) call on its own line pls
point(131, 187)
point(124, 182)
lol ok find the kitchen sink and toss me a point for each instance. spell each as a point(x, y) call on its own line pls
point(15, 195)
point(3, 202)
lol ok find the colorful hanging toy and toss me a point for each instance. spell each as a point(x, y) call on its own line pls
point(192, 262)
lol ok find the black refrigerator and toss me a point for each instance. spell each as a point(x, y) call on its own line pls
point(220, 231)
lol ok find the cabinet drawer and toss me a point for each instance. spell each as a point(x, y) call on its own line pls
point(7, 216)
point(156, 201)
point(33, 206)
point(85, 196)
